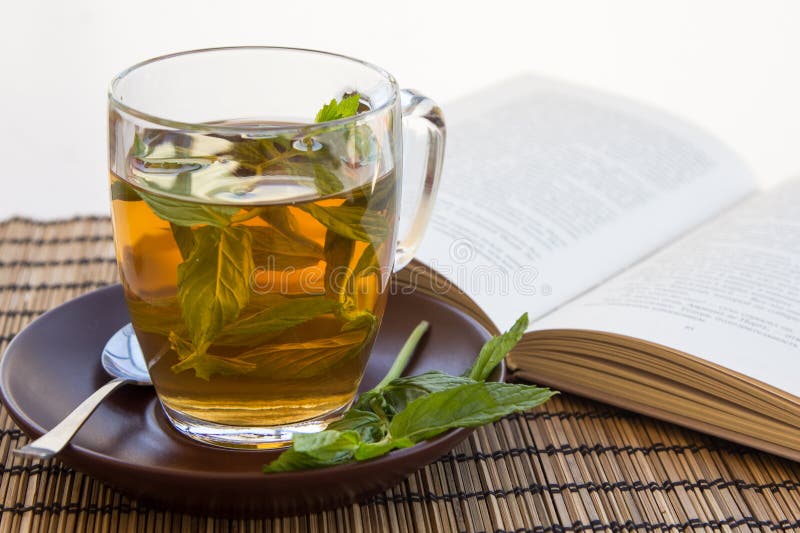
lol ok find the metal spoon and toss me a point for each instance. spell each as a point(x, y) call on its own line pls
point(122, 358)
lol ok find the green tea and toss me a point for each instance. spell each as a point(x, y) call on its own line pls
point(255, 270)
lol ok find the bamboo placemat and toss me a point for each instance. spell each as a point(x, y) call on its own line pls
point(572, 465)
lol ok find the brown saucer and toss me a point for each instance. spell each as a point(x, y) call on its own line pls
point(52, 365)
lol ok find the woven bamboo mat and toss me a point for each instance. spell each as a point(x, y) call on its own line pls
point(573, 465)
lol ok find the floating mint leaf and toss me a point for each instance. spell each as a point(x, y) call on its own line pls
point(280, 218)
point(280, 317)
point(305, 359)
point(350, 221)
point(122, 191)
point(186, 213)
point(367, 263)
point(326, 181)
point(214, 281)
point(357, 319)
point(333, 110)
point(206, 365)
point(183, 238)
point(338, 253)
point(256, 154)
point(378, 195)
point(276, 250)
point(182, 347)
point(161, 316)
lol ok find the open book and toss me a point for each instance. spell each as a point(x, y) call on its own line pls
point(655, 275)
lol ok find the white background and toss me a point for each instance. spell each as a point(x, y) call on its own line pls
point(731, 67)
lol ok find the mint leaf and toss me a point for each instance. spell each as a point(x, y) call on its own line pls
point(305, 359)
point(371, 450)
point(306, 349)
point(338, 253)
point(344, 281)
point(182, 347)
point(329, 111)
point(347, 279)
point(256, 155)
point(122, 191)
point(402, 391)
point(398, 393)
point(325, 180)
point(334, 110)
point(161, 316)
point(186, 213)
point(206, 365)
point(378, 195)
point(276, 250)
point(367, 263)
point(280, 218)
point(373, 399)
point(280, 155)
point(362, 144)
point(366, 423)
point(348, 107)
point(183, 238)
point(350, 221)
point(319, 445)
point(496, 349)
point(357, 319)
point(279, 317)
point(313, 450)
point(469, 405)
point(359, 436)
point(214, 281)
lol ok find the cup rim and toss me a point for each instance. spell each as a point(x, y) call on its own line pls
point(116, 103)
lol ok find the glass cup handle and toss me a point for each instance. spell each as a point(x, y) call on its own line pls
point(422, 113)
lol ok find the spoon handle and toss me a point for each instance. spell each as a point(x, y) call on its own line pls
point(54, 440)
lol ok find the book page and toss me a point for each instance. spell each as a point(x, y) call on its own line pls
point(728, 293)
point(549, 189)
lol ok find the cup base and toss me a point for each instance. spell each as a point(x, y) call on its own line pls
point(248, 438)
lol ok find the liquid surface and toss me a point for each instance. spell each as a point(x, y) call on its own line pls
point(255, 271)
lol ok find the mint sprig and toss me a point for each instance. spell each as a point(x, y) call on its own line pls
point(403, 411)
point(219, 253)
point(333, 110)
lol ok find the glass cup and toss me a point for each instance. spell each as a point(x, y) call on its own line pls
point(255, 198)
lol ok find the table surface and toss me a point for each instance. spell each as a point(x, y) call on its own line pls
point(728, 66)
point(571, 465)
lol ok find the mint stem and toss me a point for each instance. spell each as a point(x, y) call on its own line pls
point(247, 215)
point(401, 362)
